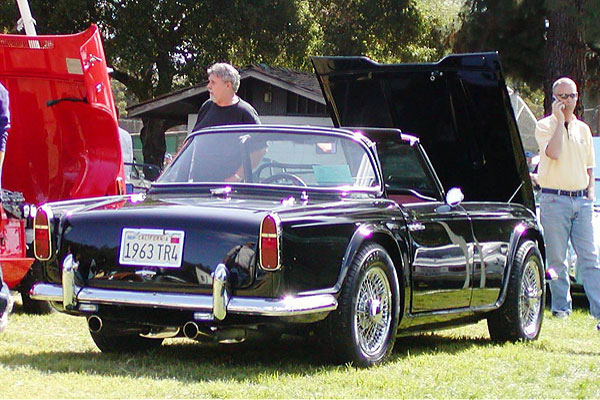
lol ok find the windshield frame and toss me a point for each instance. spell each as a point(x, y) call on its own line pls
point(357, 137)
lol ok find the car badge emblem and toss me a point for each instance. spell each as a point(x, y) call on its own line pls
point(144, 273)
point(223, 192)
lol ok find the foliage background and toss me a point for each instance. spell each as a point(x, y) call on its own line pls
point(156, 46)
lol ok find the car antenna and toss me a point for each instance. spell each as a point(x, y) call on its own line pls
point(515, 193)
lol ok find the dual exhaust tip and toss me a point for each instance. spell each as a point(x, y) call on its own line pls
point(191, 330)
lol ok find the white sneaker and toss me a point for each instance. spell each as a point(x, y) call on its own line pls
point(4, 317)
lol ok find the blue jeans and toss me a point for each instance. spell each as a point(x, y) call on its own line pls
point(4, 294)
point(562, 218)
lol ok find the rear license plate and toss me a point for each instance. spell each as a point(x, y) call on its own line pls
point(153, 247)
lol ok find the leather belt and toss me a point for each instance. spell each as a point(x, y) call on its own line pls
point(570, 193)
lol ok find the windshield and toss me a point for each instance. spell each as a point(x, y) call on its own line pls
point(296, 159)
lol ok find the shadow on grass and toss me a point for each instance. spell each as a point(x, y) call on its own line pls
point(428, 343)
point(188, 362)
point(580, 301)
point(185, 361)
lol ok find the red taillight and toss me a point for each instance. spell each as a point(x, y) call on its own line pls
point(269, 244)
point(42, 244)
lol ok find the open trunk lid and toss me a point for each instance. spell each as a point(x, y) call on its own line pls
point(459, 107)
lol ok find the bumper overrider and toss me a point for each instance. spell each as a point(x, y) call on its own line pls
point(81, 300)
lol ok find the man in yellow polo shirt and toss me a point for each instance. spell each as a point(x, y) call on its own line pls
point(566, 175)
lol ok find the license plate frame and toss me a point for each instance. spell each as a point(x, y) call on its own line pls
point(151, 247)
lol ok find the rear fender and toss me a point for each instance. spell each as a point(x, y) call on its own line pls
point(521, 232)
point(376, 233)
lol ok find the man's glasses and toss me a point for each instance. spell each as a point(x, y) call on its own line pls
point(565, 96)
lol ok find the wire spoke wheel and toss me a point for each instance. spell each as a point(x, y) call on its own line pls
point(363, 329)
point(520, 315)
point(373, 316)
point(530, 297)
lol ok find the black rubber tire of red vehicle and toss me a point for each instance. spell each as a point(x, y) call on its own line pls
point(368, 310)
point(35, 307)
point(31, 306)
point(520, 316)
point(124, 343)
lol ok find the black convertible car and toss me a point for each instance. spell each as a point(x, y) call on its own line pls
point(346, 233)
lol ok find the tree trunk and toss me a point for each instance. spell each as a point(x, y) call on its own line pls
point(153, 144)
point(565, 48)
point(153, 139)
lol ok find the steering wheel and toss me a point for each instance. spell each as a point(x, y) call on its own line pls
point(285, 177)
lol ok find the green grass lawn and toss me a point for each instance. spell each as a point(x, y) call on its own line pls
point(53, 356)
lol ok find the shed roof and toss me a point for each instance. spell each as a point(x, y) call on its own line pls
point(177, 105)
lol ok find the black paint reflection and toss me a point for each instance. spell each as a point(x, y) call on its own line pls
point(239, 261)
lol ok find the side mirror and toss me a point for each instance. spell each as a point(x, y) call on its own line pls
point(454, 197)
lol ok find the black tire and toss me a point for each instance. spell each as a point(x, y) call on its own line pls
point(31, 306)
point(520, 316)
point(363, 328)
point(36, 307)
point(130, 343)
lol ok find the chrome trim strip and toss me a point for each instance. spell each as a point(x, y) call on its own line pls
point(280, 307)
point(46, 291)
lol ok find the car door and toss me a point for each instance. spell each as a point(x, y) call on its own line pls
point(493, 225)
point(441, 236)
point(442, 254)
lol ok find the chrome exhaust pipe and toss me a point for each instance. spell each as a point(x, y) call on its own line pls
point(191, 330)
point(110, 328)
point(94, 323)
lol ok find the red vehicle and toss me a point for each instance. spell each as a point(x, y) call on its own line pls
point(63, 142)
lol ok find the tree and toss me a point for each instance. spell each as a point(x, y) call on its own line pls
point(386, 30)
point(514, 28)
point(51, 16)
point(565, 47)
point(156, 46)
point(538, 40)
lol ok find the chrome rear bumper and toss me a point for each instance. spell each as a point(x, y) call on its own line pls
point(219, 304)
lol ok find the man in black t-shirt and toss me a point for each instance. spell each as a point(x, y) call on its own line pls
point(224, 107)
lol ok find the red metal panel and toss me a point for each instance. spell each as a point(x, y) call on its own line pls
point(13, 261)
point(15, 269)
point(70, 149)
